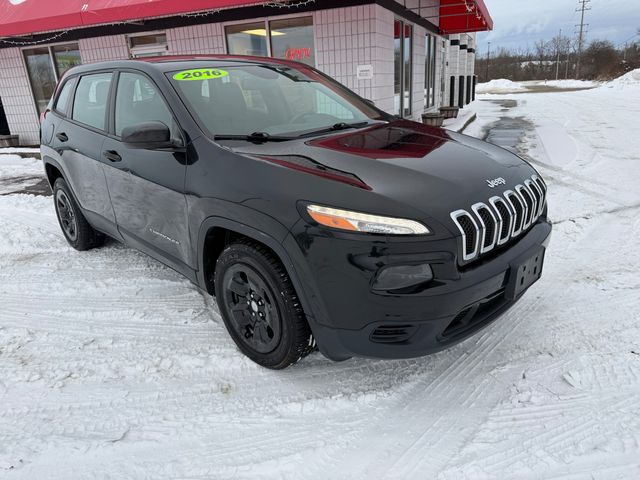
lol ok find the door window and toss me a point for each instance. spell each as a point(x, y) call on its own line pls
point(430, 71)
point(90, 102)
point(138, 101)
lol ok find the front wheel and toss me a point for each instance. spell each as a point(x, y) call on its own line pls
point(75, 227)
point(260, 307)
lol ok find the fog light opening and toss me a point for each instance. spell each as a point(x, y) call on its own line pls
point(401, 277)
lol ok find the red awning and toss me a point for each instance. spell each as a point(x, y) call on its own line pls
point(462, 16)
point(25, 17)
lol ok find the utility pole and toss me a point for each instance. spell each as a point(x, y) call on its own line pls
point(488, 56)
point(584, 6)
point(558, 53)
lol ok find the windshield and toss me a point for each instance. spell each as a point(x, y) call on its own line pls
point(270, 99)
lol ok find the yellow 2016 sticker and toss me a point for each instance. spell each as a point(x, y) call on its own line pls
point(200, 74)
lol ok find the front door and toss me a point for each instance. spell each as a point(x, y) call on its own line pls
point(147, 186)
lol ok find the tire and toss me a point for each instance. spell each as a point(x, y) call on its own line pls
point(79, 234)
point(260, 307)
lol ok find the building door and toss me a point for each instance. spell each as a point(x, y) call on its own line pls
point(461, 91)
point(452, 91)
point(430, 71)
point(403, 69)
point(4, 126)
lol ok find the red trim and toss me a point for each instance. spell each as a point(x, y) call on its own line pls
point(320, 173)
point(36, 16)
point(462, 16)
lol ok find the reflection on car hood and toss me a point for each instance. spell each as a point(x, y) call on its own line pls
point(411, 162)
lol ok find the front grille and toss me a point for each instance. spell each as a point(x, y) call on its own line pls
point(392, 333)
point(486, 226)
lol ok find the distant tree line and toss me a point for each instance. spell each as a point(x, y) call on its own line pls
point(600, 60)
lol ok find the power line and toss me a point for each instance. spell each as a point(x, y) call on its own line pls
point(584, 6)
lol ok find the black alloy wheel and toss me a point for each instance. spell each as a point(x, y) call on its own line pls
point(79, 234)
point(260, 307)
point(66, 216)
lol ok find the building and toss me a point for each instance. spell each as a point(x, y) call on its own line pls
point(408, 56)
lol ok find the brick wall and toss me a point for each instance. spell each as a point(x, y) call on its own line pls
point(17, 100)
point(198, 39)
point(344, 41)
point(101, 49)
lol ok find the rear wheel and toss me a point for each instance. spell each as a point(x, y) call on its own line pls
point(74, 225)
point(260, 307)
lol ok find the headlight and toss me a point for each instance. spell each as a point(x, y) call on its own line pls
point(363, 222)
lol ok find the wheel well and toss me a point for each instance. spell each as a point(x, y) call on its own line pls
point(52, 173)
point(215, 242)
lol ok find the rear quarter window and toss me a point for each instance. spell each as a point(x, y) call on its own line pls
point(62, 102)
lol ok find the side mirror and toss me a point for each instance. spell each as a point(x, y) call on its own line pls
point(147, 135)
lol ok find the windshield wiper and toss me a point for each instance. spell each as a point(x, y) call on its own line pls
point(335, 127)
point(257, 137)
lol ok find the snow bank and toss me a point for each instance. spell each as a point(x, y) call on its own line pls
point(570, 83)
point(629, 79)
point(500, 85)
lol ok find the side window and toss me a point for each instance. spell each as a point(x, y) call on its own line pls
point(90, 102)
point(63, 98)
point(138, 101)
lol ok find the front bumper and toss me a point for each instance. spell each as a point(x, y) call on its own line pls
point(349, 319)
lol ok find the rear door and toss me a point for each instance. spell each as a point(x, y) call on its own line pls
point(147, 185)
point(78, 138)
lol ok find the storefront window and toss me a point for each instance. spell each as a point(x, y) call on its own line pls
point(403, 68)
point(247, 39)
point(41, 75)
point(65, 57)
point(292, 39)
point(150, 45)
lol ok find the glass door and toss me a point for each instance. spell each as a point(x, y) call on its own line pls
point(403, 46)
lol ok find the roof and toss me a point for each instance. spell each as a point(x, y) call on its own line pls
point(173, 62)
point(463, 16)
point(37, 16)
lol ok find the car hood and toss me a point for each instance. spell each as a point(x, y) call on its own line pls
point(425, 167)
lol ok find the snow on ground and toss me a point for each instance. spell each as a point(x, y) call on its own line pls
point(113, 366)
point(500, 85)
point(565, 83)
point(16, 172)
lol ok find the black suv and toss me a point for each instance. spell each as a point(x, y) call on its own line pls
point(310, 214)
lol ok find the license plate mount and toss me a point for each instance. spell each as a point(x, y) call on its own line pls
point(525, 273)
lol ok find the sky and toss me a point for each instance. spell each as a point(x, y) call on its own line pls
point(519, 23)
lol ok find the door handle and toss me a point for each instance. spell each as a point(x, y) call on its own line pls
point(62, 136)
point(112, 156)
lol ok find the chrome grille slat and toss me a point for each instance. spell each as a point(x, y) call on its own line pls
point(503, 218)
point(535, 189)
point(469, 243)
point(528, 205)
